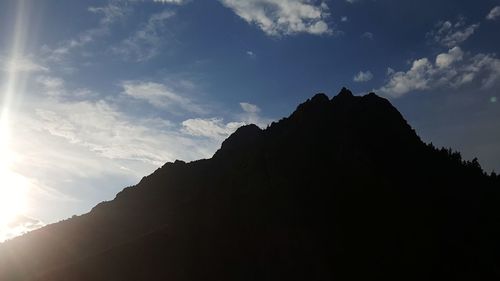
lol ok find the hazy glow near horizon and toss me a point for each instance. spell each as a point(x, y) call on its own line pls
point(13, 187)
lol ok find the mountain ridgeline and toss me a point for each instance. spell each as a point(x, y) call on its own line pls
point(342, 189)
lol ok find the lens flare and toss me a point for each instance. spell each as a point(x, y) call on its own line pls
point(13, 186)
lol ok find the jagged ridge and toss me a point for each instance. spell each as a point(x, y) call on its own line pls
point(343, 188)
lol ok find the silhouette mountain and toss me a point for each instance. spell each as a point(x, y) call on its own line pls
point(342, 189)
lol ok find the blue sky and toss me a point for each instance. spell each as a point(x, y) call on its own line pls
point(97, 94)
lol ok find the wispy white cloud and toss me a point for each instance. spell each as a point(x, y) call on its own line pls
point(249, 108)
point(494, 13)
point(146, 42)
point(452, 69)
point(21, 64)
point(252, 115)
point(52, 86)
point(111, 13)
point(344, 19)
point(483, 67)
point(106, 131)
point(251, 54)
point(450, 34)
point(283, 17)
point(212, 128)
point(160, 96)
point(217, 130)
point(363, 76)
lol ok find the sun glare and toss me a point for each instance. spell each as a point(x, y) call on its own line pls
point(12, 186)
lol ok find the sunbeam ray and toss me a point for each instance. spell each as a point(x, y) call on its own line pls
point(13, 187)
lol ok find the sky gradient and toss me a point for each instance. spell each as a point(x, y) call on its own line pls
point(97, 94)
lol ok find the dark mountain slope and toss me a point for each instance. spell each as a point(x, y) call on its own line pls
point(342, 189)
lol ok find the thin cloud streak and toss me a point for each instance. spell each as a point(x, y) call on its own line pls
point(450, 34)
point(145, 43)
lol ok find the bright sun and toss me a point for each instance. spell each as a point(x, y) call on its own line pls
point(12, 186)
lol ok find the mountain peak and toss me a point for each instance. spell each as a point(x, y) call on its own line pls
point(371, 95)
point(345, 93)
point(241, 138)
point(319, 98)
point(346, 181)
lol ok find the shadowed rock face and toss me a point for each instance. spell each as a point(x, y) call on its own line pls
point(342, 189)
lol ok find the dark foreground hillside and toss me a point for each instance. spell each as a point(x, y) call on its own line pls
point(343, 189)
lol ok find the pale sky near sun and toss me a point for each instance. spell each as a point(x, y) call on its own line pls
point(97, 94)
